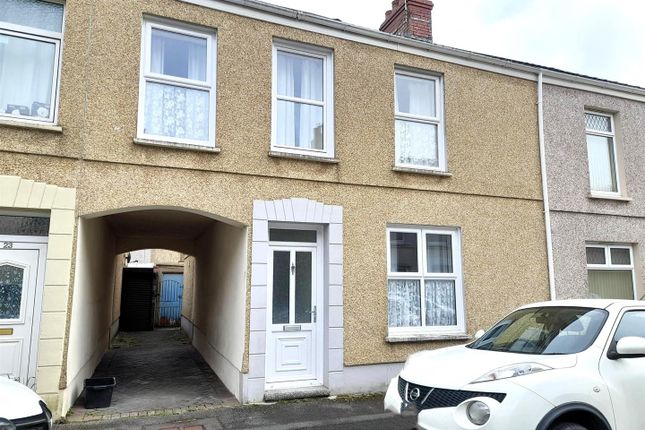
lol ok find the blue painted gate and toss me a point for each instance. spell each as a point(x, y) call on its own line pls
point(172, 289)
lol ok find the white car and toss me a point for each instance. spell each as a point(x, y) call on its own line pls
point(21, 408)
point(561, 365)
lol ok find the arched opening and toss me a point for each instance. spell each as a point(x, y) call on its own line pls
point(168, 347)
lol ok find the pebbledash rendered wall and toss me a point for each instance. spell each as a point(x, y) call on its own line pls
point(576, 216)
point(493, 194)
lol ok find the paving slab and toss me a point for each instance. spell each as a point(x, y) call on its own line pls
point(352, 413)
point(157, 373)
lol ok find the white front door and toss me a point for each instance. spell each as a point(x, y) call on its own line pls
point(293, 312)
point(19, 318)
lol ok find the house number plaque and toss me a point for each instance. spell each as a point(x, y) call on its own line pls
point(7, 245)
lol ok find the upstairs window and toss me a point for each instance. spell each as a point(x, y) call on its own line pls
point(601, 153)
point(177, 87)
point(610, 271)
point(425, 291)
point(31, 32)
point(419, 121)
point(303, 118)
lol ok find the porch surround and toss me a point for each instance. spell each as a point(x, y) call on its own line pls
point(20, 194)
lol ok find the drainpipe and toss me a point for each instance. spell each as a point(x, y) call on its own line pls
point(545, 190)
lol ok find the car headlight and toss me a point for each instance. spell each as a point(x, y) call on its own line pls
point(5, 424)
point(512, 371)
point(478, 413)
point(48, 414)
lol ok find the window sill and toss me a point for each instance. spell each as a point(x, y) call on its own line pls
point(302, 157)
point(609, 197)
point(422, 171)
point(149, 142)
point(51, 128)
point(425, 337)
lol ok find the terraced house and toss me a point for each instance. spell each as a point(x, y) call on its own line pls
point(595, 157)
point(347, 196)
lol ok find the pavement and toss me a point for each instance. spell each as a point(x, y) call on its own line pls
point(162, 383)
point(157, 373)
point(343, 413)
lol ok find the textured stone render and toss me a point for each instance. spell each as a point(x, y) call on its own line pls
point(571, 231)
point(566, 151)
point(487, 114)
point(295, 211)
point(492, 114)
point(22, 194)
point(576, 218)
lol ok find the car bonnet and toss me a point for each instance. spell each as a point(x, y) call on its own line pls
point(455, 367)
point(17, 401)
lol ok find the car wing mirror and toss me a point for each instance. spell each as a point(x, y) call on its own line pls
point(479, 334)
point(629, 347)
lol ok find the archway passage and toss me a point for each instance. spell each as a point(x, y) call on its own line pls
point(198, 363)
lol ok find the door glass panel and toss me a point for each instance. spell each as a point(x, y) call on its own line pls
point(11, 279)
point(24, 225)
point(281, 261)
point(284, 235)
point(303, 287)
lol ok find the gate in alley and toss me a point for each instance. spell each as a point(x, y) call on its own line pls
point(172, 288)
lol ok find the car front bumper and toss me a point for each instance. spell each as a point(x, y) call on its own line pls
point(520, 408)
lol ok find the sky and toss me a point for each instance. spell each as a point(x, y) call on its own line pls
point(600, 38)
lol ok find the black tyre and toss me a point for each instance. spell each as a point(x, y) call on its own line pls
point(568, 426)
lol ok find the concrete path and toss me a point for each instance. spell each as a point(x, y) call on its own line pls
point(157, 373)
point(359, 413)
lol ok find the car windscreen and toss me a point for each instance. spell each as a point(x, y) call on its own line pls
point(544, 331)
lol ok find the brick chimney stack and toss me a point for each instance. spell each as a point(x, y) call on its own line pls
point(409, 18)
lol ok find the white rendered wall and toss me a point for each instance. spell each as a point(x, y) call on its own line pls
point(91, 316)
point(219, 301)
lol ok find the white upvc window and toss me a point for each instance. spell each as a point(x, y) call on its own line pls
point(177, 84)
point(601, 154)
point(31, 35)
point(303, 100)
point(419, 126)
point(425, 288)
point(610, 271)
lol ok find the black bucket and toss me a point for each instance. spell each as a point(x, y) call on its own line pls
point(98, 392)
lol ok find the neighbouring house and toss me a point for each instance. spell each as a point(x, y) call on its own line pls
point(595, 161)
point(344, 196)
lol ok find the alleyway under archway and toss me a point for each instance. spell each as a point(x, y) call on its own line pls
point(156, 371)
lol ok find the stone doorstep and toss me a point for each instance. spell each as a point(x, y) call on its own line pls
point(96, 415)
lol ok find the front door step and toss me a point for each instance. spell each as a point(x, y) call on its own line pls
point(295, 393)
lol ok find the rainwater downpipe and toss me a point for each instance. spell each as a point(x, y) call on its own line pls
point(545, 189)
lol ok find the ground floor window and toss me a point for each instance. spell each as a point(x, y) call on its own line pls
point(610, 271)
point(425, 292)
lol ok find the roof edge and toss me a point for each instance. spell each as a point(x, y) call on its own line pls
point(266, 11)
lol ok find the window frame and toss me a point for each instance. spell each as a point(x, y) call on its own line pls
point(608, 266)
point(438, 120)
point(47, 36)
point(145, 76)
point(612, 136)
point(422, 275)
point(327, 56)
